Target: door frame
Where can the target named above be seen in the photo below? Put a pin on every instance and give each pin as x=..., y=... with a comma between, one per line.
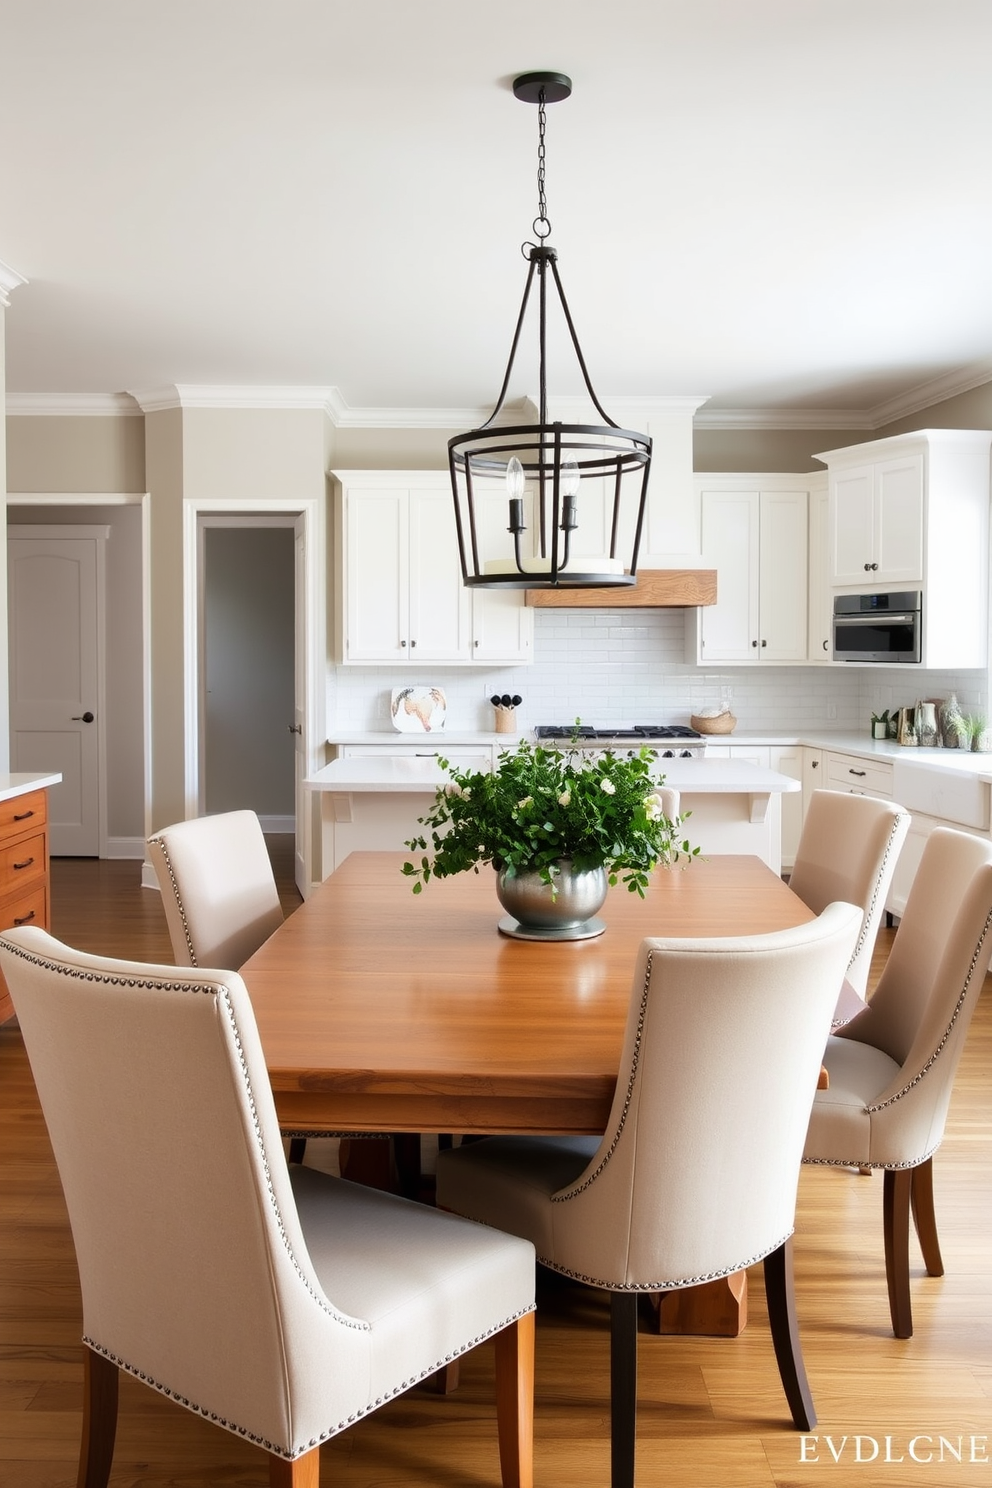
x=140, y=499
x=310, y=511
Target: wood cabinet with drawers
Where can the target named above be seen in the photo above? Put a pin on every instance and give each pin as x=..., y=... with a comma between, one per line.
x=24, y=877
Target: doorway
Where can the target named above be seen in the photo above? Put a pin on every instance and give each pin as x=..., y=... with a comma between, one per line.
x=248, y=669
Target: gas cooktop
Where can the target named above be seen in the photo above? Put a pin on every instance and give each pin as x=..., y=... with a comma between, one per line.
x=637, y=732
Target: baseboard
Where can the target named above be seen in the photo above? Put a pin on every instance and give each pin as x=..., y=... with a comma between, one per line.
x=278, y=824
x=125, y=847
x=149, y=879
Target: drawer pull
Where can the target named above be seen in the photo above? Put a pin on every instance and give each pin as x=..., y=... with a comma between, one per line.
x=860, y=773
x=24, y=816
x=24, y=919
x=26, y=864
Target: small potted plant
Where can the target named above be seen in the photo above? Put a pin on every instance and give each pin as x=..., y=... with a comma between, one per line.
x=558, y=826
x=975, y=733
x=880, y=725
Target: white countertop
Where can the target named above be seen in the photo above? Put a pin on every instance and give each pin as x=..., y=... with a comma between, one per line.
x=21, y=784
x=413, y=774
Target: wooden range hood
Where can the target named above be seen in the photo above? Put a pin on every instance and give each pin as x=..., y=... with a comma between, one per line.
x=655, y=588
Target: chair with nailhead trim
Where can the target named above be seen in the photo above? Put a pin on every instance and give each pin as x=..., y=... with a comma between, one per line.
x=848, y=849
x=695, y=1177
x=277, y=1301
x=891, y=1069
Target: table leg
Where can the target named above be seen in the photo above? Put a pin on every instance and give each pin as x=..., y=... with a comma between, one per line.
x=717, y=1309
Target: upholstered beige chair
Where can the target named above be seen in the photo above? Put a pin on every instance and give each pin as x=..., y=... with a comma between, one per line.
x=218, y=889
x=670, y=800
x=848, y=850
x=695, y=1177
x=280, y=1303
x=892, y=1067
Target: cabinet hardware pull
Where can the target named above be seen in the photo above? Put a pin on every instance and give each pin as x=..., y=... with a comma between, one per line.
x=295, y=728
x=412, y=644
x=24, y=919
x=874, y=567
x=402, y=643
x=23, y=816
x=826, y=645
x=754, y=643
x=764, y=643
x=814, y=764
x=860, y=773
x=26, y=864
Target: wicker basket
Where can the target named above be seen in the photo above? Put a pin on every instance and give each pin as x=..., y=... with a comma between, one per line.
x=724, y=723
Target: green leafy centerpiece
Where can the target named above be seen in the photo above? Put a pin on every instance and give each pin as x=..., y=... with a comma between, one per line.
x=559, y=826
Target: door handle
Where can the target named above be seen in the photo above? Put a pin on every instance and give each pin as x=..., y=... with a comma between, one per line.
x=86, y=717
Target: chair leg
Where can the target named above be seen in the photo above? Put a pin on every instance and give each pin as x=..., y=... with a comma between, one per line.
x=896, y=1197
x=297, y=1149
x=924, y=1218
x=515, y=1402
x=623, y=1387
x=96, y=1450
x=781, y=1297
x=302, y=1472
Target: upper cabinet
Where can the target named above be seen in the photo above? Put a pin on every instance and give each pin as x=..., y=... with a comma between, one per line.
x=755, y=534
x=912, y=512
x=399, y=596
x=876, y=523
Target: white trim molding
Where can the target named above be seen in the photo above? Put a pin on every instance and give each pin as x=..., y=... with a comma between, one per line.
x=72, y=405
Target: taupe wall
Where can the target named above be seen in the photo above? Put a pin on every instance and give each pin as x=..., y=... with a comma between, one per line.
x=75, y=454
x=787, y=450
x=972, y=410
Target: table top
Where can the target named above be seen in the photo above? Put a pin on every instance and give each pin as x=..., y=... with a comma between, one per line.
x=380, y=1010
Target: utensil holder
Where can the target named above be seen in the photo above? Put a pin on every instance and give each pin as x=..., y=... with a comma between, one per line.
x=506, y=720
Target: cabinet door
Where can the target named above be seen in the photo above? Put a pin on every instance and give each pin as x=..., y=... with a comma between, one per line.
x=729, y=629
x=440, y=605
x=376, y=575
x=852, y=525
x=502, y=625
x=782, y=564
x=898, y=545
x=788, y=760
x=819, y=645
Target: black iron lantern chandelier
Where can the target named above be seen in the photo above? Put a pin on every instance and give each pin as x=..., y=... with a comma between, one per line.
x=548, y=505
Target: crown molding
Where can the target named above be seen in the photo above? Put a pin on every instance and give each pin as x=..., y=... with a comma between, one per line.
x=209, y=395
x=343, y=416
x=70, y=405
x=10, y=280
x=783, y=418
x=926, y=394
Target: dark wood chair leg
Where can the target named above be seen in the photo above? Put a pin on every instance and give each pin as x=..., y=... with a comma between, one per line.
x=96, y=1450
x=406, y=1153
x=896, y=1196
x=781, y=1297
x=924, y=1218
x=623, y=1388
x=297, y=1149
x=515, y=1402
x=302, y=1472
x=444, y=1381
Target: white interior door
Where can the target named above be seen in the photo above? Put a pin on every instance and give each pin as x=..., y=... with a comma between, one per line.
x=54, y=614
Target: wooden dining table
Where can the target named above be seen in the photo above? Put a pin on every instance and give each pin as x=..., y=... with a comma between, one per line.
x=384, y=1010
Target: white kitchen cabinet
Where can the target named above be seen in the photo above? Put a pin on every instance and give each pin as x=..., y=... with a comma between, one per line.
x=755, y=535
x=788, y=760
x=860, y=777
x=912, y=512
x=400, y=599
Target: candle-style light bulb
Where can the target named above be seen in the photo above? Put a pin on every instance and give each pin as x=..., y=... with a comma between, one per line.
x=515, y=479
x=569, y=479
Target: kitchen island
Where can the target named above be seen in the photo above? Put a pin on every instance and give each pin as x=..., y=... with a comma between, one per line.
x=374, y=802
x=24, y=885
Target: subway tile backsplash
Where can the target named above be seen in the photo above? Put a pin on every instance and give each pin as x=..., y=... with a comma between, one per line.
x=622, y=666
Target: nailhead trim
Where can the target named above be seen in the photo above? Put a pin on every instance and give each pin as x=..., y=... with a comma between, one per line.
x=160, y=843
x=866, y=921
x=315, y=1441
x=662, y=1286
x=564, y=1195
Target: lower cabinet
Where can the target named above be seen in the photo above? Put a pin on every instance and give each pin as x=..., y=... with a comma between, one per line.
x=24, y=882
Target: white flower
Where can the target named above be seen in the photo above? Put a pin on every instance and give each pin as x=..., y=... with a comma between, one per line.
x=527, y=801
x=653, y=808
x=454, y=789
x=608, y=786
x=565, y=798
x=466, y=792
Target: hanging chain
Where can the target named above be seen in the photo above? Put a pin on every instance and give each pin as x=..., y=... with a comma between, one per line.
x=541, y=225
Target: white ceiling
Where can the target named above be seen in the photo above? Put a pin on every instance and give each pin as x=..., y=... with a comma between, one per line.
x=783, y=204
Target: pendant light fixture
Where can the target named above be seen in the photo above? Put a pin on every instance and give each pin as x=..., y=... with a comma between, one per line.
x=548, y=505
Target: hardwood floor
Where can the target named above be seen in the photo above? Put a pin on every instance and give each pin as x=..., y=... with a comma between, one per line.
x=711, y=1411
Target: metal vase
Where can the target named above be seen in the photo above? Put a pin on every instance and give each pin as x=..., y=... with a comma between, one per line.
x=535, y=911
